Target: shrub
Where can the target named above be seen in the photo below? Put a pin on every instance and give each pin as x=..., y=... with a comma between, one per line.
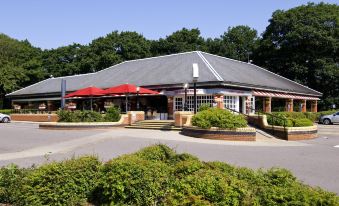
x=215, y=117
x=155, y=175
x=11, y=183
x=302, y=122
x=6, y=111
x=90, y=116
x=203, y=107
x=79, y=116
x=130, y=180
x=112, y=114
x=298, y=121
x=65, y=183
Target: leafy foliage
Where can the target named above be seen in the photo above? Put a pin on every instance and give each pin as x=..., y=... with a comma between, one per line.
x=112, y=114
x=66, y=183
x=215, y=117
x=156, y=175
x=79, y=116
x=291, y=119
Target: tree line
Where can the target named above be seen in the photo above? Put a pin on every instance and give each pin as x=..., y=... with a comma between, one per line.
x=300, y=43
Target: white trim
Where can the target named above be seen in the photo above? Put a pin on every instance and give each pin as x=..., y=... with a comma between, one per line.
x=146, y=59
x=210, y=67
x=262, y=69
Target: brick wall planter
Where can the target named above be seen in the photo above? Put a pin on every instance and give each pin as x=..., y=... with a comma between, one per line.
x=35, y=117
x=287, y=133
x=240, y=134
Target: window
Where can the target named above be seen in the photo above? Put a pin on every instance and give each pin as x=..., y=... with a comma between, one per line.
x=178, y=103
x=231, y=102
x=201, y=99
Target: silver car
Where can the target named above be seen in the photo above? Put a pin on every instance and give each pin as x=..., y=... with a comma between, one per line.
x=329, y=119
x=5, y=118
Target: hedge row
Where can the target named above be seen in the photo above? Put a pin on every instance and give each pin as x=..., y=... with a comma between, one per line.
x=155, y=175
x=301, y=115
x=5, y=111
x=112, y=115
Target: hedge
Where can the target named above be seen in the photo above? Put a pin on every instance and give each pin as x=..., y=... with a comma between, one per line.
x=291, y=119
x=155, y=175
x=215, y=117
x=5, y=111
x=112, y=115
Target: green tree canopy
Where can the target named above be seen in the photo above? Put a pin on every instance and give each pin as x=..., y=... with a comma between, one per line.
x=302, y=44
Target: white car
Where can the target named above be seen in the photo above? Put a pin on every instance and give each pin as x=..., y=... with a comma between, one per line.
x=329, y=119
x=5, y=118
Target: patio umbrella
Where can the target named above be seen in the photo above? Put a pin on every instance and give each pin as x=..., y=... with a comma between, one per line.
x=128, y=89
x=87, y=92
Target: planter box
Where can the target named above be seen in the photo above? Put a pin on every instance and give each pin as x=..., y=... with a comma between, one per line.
x=287, y=133
x=35, y=117
x=239, y=134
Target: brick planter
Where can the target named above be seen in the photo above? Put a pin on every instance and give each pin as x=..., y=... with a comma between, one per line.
x=240, y=134
x=287, y=133
x=35, y=117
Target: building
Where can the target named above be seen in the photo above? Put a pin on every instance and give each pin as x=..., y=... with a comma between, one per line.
x=233, y=84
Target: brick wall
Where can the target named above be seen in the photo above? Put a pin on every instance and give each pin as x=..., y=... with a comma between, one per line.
x=35, y=117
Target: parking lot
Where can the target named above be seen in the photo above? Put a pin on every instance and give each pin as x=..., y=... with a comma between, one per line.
x=313, y=161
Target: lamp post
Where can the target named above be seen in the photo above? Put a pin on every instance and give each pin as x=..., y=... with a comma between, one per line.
x=195, y=79
x=138, y=89
x=185, y=100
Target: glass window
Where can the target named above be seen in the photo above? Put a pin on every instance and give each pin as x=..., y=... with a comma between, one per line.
x=201, y=99
x=231, y=102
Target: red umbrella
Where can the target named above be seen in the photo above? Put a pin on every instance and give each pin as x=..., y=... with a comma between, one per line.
x=129, y=89
x=87, y=92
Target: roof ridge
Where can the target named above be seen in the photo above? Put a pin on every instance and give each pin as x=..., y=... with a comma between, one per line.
x=147, y=58
x=210, y=67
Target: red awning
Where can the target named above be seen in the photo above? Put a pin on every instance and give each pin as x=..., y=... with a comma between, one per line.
x=282, y=95
x=128, y=89
x=86, y=92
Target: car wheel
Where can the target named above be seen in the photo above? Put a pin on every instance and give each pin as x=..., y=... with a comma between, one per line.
x=327, y=121
x=5, y=120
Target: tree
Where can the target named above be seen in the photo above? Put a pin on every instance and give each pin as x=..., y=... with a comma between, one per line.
x=238, y=43
x=183, y=40
x=302, y=44
x=20, y=64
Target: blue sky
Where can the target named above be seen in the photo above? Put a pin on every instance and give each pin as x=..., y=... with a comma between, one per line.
x=50, y=24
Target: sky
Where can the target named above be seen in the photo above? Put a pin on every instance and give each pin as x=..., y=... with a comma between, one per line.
x=54, y=23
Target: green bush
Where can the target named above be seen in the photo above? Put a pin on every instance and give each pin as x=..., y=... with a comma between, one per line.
x=302, y=122
x=79, y=116
x=112, y=114
x=215, y=117
x=155, y=175
x=203, y=107
x=5, y=111
x=291, y=119
x=11, y=183
x=130, y=180
x=91, y=116
x=65, y=183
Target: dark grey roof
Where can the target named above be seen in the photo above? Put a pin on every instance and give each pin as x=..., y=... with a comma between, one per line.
x=171, y=70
